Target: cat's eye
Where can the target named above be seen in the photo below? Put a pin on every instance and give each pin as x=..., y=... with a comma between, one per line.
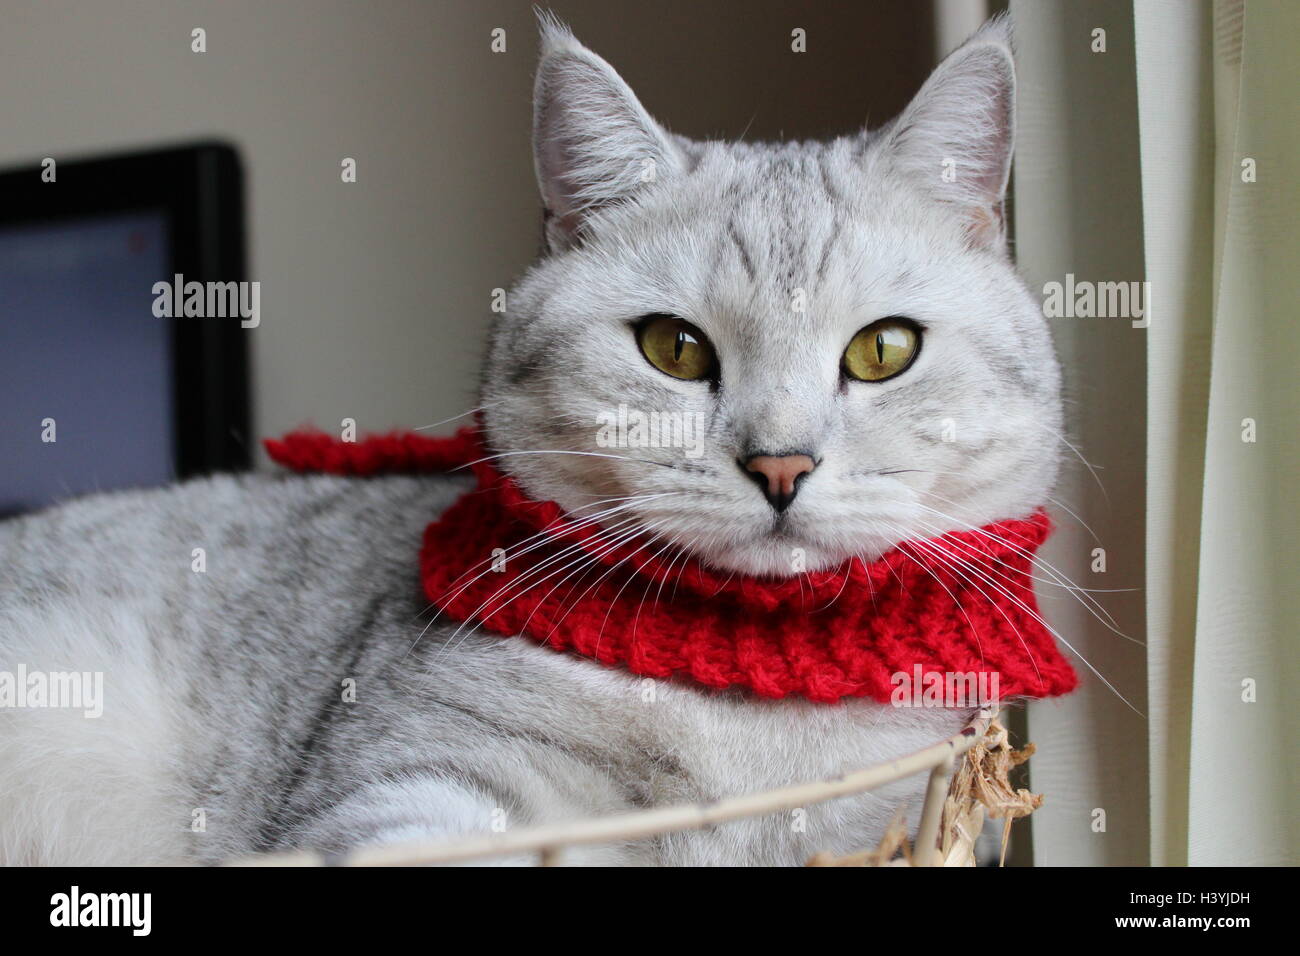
x=676, y=347
x=882, y=350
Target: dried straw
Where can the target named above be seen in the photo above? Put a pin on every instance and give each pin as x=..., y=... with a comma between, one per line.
x=981, y=787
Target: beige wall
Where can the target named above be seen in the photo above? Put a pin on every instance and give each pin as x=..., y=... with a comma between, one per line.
x=375, y=295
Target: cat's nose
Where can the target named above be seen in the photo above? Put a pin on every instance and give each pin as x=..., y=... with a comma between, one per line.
x=778, y=476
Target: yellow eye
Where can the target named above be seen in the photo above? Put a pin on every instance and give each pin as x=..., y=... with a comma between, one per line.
x=882, y=350
x=676, y=347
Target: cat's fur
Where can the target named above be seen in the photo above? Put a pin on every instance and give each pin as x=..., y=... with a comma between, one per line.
x=224, y=689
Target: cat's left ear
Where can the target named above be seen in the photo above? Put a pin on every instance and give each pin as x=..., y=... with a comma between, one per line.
x=593, y=142
x=956, y=137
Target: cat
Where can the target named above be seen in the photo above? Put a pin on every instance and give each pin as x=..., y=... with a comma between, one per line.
x=223, y=731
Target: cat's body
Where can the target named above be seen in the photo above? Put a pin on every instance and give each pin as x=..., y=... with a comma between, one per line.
x=224, y=690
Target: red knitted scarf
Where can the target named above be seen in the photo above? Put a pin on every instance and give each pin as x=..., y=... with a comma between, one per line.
x=962, y=604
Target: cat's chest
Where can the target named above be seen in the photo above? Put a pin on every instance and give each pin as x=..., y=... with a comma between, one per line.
x=732, y=745
x=746, y=743
x=614, y=742
x=677, y=741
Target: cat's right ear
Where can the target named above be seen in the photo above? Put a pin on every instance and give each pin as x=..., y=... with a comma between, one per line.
x=593, y=142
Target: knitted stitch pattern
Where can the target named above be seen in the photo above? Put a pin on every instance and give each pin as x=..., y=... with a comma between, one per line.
x=962, y=603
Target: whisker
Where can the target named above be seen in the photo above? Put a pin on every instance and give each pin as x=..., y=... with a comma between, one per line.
x=583, y=557
x=453, y=418
x=608, y=571
x=561, y=451
x=545, y=535
x=541, y=537
x=636, y=619
x=1092, y=469
x=1081, y=594
x=638, y=530
x=1056, y=634
x=576, y=546
x=613, y=603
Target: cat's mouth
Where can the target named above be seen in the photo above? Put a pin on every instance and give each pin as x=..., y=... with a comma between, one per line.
x=790, y=543
x=782, y=528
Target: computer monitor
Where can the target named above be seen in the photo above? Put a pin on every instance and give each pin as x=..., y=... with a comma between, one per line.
x=97, y=391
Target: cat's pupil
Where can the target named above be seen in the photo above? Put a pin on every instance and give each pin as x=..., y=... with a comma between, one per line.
x=678, y=345
x=880, y=348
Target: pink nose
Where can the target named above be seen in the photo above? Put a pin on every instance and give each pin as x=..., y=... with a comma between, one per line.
x=778, y=476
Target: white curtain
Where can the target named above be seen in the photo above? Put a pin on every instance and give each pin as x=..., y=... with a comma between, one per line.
x=1220, y=132
x=1173, y=156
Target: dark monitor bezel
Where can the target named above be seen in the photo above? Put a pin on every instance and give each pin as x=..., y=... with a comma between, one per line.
x=200, y=188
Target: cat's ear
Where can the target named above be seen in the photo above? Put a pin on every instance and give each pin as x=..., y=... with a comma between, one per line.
x=593, y=142
x=956, y=137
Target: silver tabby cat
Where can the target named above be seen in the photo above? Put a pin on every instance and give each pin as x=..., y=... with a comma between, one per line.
x=222, y=694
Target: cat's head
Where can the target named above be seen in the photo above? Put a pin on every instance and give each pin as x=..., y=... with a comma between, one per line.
x=839, y=320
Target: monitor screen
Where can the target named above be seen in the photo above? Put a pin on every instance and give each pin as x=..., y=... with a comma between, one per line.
x=86, y=369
